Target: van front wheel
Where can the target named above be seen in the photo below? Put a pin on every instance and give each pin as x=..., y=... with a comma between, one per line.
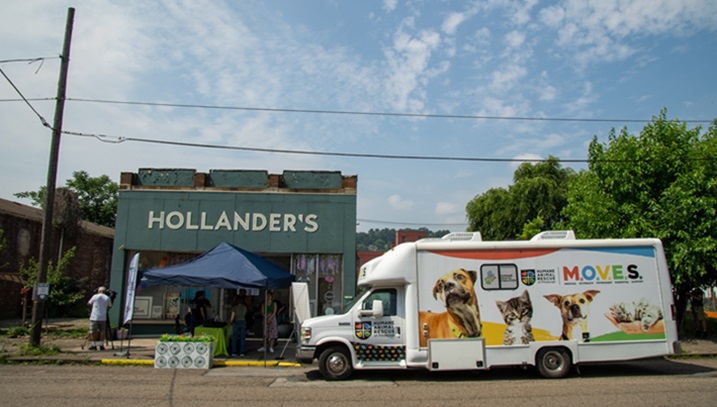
x=553, y=363
x=335, y=363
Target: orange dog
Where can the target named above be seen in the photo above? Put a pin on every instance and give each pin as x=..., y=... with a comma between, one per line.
x=573, y=309
x=462, y=316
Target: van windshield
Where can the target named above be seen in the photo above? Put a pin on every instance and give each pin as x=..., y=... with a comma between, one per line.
x=359, y=295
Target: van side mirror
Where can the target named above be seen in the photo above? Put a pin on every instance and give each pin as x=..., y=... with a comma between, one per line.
x=376, y=310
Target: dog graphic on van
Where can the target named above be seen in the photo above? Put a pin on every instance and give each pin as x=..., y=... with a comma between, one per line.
x=574, y=310
x=462, y=316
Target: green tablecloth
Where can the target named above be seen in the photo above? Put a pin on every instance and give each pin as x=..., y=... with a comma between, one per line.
x=221, y=338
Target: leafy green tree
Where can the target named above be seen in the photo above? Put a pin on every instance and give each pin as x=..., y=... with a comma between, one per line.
x=533, y=202
x=662, y=183
x=97, y=197
x=65, y=298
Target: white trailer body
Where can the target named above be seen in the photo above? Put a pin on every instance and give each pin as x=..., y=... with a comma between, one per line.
x=551, y=302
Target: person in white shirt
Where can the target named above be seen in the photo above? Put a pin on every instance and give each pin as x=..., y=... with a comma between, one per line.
x=100, y=303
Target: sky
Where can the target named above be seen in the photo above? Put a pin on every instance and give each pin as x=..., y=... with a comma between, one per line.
x=428, y=103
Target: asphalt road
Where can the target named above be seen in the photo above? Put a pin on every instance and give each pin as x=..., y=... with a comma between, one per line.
x=658, y=382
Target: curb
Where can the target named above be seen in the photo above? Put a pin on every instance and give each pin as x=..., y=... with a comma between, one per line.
x=148, y=362
x=217, y=363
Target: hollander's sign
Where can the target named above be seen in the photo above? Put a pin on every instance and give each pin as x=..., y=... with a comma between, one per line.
x=264, y=222
x=234, y=221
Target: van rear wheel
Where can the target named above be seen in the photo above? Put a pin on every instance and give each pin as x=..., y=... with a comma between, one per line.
x=335, y=363
x=553, y=363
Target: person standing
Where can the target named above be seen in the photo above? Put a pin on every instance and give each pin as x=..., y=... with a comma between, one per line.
x=100, y=303
x=268, y=312
x=198, y=309
x=237, y=317
x=698, y=312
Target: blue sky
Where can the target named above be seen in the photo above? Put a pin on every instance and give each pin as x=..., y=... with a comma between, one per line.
x=577, y=59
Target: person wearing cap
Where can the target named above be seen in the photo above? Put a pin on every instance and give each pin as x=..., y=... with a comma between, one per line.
x=100, y=303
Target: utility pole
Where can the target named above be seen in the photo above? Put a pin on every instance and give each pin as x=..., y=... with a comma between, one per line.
x=38, y=305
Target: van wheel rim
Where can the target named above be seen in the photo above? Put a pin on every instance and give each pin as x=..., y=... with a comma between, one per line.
x=337, y=363
x=553, y=361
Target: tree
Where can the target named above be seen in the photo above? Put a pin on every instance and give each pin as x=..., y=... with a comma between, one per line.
x=65, y=298
x=533, y=202
x=97, y=197
x=663, y=184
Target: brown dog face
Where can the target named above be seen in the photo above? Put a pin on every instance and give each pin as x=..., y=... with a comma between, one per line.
x=456, y=287
x=573, y=307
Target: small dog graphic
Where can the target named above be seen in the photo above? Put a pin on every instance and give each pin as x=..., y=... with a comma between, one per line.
x=462, y=316
x=574, y=310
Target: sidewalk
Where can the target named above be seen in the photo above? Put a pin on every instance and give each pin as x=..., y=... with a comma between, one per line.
x=140, y=351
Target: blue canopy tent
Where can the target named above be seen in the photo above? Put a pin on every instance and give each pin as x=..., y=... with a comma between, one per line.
x=224, y=266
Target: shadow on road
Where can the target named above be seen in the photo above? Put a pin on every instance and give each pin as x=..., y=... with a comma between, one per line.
x=647, y=367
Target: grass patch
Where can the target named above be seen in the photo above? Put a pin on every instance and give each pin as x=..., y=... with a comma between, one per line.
x=29, y=350
x=17, y=331
x=77, y=333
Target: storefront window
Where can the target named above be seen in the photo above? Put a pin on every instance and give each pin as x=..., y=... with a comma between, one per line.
x=322, y=273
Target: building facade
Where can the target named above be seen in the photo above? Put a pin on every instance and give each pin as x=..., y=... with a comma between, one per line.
x=21, y=227
x=302, y=221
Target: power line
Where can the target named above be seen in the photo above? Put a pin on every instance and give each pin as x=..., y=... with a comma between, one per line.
x=42, y=119
x=28, y=60
x=117, y=140
x=357, y=113
x=411, y=223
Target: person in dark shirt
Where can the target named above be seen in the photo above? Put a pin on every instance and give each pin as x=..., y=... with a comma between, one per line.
x=698, y=312
x=198, y=310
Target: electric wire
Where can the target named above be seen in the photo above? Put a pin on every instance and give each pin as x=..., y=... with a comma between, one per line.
x=410, y=223
x=365, y=113
x=42, y=119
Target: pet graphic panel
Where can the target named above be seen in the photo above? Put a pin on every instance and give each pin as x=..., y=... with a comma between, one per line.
x=585, y=294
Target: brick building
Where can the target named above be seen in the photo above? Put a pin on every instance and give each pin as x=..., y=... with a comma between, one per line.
x=22, y=232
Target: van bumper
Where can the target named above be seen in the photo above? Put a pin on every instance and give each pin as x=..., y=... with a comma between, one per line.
x=305, y=353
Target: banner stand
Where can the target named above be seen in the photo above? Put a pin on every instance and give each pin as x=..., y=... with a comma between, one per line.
x=129, y=301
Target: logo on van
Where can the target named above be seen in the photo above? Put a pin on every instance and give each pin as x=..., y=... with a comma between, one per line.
x=608, y=272
x=527, y=277
x=363, y=330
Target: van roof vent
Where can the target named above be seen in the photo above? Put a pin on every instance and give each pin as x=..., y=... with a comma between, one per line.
x=554, y=235
x=463, y=236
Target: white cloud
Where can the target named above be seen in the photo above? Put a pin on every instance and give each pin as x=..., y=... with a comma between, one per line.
x=389, y=5
x=397, y=202
x=496, y=107
x=409, y=67
x=507, y=77
x=515, y=39
x=446, y=208
x=600, y=30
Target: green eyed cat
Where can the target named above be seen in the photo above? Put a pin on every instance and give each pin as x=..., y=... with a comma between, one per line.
x=517, y=313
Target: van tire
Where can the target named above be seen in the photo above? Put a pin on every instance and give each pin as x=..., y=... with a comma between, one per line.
x=335, y=363
x=553, y=363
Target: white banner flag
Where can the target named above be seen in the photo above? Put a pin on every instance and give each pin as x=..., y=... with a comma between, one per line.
x=131, y=287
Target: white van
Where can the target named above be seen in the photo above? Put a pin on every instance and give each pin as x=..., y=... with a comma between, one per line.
x=460, y=303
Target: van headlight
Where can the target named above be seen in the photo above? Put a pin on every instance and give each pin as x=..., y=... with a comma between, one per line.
x=305, y=335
